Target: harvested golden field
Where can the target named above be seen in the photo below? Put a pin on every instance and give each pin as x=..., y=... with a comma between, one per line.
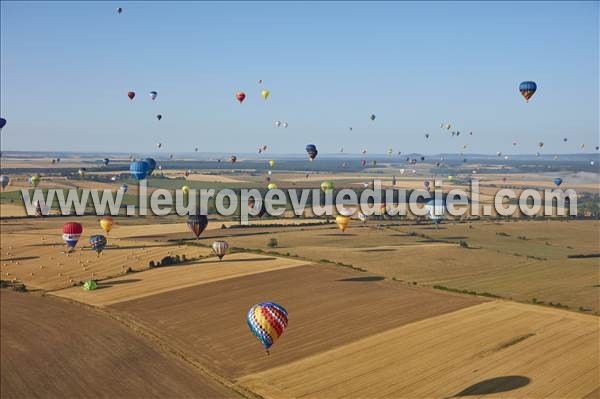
x=328, y=307
x=39, y=261
x=165, y=279
x=518, y=260
x=495, y=349
x=56, y=349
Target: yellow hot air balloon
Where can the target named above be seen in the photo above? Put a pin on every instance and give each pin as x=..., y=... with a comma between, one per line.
x=450, y=178
x=107, y=223
x=272, y=186
x=271, y=163
x=327, y=185
x=35, y=180
x=185, y=189
x=342, y=222
x=265, y=94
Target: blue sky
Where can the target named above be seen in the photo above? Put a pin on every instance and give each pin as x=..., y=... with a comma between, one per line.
x=66, y=68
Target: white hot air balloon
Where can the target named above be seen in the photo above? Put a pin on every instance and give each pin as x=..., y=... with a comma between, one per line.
x=220, y=248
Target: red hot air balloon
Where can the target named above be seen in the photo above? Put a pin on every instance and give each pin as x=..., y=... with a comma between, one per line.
x=131, y=94
x=240, y=96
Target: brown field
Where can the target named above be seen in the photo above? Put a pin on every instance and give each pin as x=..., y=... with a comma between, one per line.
x=165, y=279
x=534, y=352
x=328, y=307
x=55, y=349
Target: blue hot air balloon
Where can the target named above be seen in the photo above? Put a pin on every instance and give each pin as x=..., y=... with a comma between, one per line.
x=151, y=164
x=311, y=150
x=2, y=122
x=527, y=89
x=98, y=242
x=558, y=181
x=139, y=169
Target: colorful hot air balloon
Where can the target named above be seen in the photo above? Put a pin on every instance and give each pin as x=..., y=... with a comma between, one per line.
x=197, y=224
x=97, y=242
x=4, y=180
x=240, y=96
x=139, y=169
x=71, y=233
x=267, y=321
x=153, y=95
x=271, y=186
x=362, y=217
x=233, y=158
x=130, y=94
x=527, y=89
x=271, y=163
x=558, y=181
x=220, y=248
x=35, y=180
x=90, y=285
x=311, y=150
x=2, y=122
x=106, y=161
x=327, y=185
x=265, y=94
x=107, y=223
x=342, y=222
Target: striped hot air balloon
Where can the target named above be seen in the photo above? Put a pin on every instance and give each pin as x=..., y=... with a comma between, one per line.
x=220, y=248
x=71, y=233
x=267, y=321
x=98, y=242
x=139, y=169
x=197, y=224
x=527, y=89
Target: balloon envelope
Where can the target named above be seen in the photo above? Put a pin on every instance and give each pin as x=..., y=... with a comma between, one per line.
x=98, y=242
x=197, y=224
x=240, y=96
x=2, y=122
x=107, y=223
x=131, y=94
x=139, y=169
x=220, y=248
x=527, y=89
x=267, y=321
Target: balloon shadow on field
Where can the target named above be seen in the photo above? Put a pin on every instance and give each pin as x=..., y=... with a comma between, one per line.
x=337, y=235
x=495, y=385
x=363, y=279
x=108, y=284
x=21, y=258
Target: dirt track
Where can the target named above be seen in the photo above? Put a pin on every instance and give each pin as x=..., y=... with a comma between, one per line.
x=55, y=349
x=328, y=307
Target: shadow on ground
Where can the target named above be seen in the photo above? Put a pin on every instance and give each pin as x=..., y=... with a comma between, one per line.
x=363, y=279
x=495, y=385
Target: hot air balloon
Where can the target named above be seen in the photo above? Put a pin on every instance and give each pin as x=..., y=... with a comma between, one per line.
x=151, y=165
x=187, y=172
x=285, y=125
x=271, y=186
x=435, y=210
x=107, y=223
x=106, y=161
x=71, y=233
x=258, y=206
x=362, y=217
x=4, y=180
x=514, y=142
x=390, y=151
x=2, y=122
x=90, y=285
x=402, y=171
x=97, y=242
x=232, y=159
x=541, y=144
x=139, y=169
x=565, y=140
x=426, y=184
x=426, y=135
x=130, y=94
x=267, y=321
x=527, y=89
x=363, y=162
x=374, y=163
x=195, y=149
x=185, y=189
x=197, y=224
x=240, y=96
x=372, y=117
x=558, y=181
x=277, y=123
x=450, y=178
x=271, y=163
x=35, y=180
x=498, y=154
x=124, y=188
x=159, y=116
x=342, y=222
x=448, y=126
x=220, y=248
x=153, y=95
x=119, y=10
x=327, y=185
x=311, y=150
x=158, y=145
x=82, y=172
x=265, y=94
x=41, y=208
